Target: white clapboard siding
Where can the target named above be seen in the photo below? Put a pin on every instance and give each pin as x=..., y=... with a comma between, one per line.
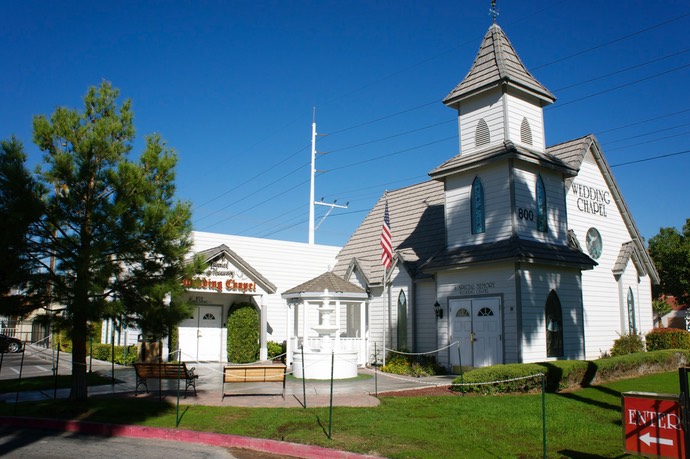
x=495, y=182
x=525, y=182
x=517, y=109
x=603, y=297
x=489, y=108
x=536, y=284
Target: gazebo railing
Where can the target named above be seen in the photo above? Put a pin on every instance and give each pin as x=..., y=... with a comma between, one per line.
x=342, y=344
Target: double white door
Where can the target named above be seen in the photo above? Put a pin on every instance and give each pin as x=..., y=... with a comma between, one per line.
x=476, y=325
x=200, y=336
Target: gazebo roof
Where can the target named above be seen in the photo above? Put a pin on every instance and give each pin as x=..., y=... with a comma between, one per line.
x=328, y=281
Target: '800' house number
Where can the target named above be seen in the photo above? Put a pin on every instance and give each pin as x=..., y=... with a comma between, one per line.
x=525, y=214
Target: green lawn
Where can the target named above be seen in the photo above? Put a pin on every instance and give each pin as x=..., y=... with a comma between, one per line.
x=48, y=382
x=583, y=424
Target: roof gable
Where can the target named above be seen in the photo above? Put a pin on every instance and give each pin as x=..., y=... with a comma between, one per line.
x=223, y=252
x=573, y=153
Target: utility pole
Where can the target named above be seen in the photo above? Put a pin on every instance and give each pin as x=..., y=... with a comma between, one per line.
x=312, y=172
x=312, y=201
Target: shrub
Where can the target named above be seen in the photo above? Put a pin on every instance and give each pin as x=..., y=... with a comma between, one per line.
x=565, y=374
x=243, y=334
x=500, y=379
x=667, y=338
x=627, y=344
x=124, y=355
x=411, y=365
x=276, y=349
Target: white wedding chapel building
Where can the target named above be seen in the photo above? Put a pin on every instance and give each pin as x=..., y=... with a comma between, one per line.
x=516, y=251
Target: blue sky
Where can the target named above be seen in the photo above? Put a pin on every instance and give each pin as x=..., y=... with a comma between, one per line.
x=231, y=86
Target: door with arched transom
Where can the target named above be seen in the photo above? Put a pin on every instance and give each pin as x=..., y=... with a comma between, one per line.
x=200, y=335
x=476, y=326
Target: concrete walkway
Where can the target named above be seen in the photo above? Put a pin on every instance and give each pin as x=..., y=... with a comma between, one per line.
x=360, y=391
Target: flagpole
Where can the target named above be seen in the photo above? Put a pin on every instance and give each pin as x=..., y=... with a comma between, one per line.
x=387, y=262
x=385, y=309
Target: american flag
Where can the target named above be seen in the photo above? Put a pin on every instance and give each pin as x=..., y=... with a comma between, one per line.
x=386, y=245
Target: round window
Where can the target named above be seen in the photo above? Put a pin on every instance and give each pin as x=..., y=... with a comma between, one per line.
x=594, y=243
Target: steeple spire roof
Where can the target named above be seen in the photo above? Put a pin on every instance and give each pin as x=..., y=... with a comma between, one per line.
x=497, y=64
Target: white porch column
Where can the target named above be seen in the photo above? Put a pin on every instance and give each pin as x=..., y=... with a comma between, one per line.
x=288, y=335
x=305, y=306
x=336, y=345
x=263, y=350
x=363, y=336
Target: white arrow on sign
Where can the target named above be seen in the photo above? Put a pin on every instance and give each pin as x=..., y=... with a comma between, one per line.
x=648, y=440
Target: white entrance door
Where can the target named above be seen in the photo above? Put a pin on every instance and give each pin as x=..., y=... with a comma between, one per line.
x=476, y=325
x=200, y=336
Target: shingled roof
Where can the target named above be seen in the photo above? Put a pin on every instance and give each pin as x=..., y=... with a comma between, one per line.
x=497, y=64
x=326, y=281
x=506, y=150
x=417, y=230
x=512, y=249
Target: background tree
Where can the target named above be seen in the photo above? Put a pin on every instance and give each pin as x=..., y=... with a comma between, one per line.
x=670, y=250
x=659, y=308
x=118, y=236
x=20, y=208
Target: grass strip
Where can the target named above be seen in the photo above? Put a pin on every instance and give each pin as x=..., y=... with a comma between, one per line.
x=582, y=423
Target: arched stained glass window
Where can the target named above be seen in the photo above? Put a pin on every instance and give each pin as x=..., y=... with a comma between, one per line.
x=208, y=316
x=477, y=206
x=462, y=312
x=402, y=320
x=554, y=326
x=632, y=325
x=542, y=223
x=485, y=312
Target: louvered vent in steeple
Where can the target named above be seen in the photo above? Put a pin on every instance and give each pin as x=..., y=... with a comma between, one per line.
x=481, y=135
x=525, y=132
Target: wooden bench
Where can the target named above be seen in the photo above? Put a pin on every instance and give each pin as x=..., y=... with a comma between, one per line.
x=268, y=373
x=163, y=371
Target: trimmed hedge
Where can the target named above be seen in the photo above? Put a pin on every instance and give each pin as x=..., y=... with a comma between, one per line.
x=567, y=374
x=243, y=334
x=104, y=352
x=667, y=338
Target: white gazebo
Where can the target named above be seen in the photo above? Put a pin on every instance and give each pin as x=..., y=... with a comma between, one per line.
x=327, y=322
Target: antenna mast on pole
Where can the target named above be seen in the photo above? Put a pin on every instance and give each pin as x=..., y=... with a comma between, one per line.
x=312, y=201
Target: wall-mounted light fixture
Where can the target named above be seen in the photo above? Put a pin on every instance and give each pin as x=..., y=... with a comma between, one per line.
x=438, y=310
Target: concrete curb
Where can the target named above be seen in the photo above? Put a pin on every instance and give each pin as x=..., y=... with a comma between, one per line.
x=187, y=436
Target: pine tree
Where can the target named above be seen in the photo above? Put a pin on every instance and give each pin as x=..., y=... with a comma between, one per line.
x=113, y=225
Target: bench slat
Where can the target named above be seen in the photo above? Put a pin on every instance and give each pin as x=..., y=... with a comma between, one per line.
x=254, y=374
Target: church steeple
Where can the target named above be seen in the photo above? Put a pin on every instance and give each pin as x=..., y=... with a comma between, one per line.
x=497, y=65
x=499, y=100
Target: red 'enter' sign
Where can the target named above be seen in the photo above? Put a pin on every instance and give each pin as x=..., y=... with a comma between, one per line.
x=651, y=423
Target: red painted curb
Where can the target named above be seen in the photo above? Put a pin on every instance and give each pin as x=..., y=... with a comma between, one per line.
x=187, y=436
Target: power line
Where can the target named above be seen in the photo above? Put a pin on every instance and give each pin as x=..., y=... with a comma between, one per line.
x=652, y=158
x=615, y=88
x=616, y=40
x=620, y=71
